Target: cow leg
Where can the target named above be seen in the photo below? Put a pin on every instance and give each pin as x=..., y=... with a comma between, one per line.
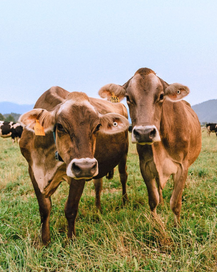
x=153, y=194
x=44, y=209
x=122, y=168
x=98, y=190
x=176, y=198
x=71, y=206
x=160, y=192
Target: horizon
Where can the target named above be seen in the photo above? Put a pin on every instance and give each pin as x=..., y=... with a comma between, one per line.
x=204, y=110
x=123, y=101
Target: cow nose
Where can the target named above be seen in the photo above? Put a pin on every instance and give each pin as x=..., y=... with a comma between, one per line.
x=84, y=168
x=145, y=134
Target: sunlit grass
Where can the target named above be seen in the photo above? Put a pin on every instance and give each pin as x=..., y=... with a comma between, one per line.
x=121, y=238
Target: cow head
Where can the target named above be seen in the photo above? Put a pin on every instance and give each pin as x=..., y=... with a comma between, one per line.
x=76, y=124
x=145, y=93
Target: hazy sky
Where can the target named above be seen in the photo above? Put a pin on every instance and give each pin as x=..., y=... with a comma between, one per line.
x=83, y=45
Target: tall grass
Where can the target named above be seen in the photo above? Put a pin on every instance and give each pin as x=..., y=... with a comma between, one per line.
x=121, y=238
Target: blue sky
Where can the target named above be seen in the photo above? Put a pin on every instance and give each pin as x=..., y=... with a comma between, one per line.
x=83, y=45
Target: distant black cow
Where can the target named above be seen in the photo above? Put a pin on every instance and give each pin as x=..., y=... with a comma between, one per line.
x=211, y=127
x=10, y=129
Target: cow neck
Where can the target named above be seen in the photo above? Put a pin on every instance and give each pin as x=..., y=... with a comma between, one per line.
x=57, y=155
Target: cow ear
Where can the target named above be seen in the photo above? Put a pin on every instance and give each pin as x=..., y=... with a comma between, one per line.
x=112, y=123
x=45, y=120
x=112, y=90
x=175, y=92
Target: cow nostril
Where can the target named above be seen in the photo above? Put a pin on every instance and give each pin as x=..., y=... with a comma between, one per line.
x=93, y=169
x=76, y=169
x=152, y=133
x=136, y=133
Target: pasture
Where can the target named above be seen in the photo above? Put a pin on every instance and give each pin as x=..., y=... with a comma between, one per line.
x=122, y=238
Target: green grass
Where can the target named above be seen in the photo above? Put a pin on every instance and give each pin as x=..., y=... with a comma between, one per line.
x=121, y=238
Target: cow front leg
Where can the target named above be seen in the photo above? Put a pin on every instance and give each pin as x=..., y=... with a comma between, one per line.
x=44, y=209
x=122, y=168
x=160, y=191
x=71, y=206
x=176, y=198
x=153, y=194
x=98, y=190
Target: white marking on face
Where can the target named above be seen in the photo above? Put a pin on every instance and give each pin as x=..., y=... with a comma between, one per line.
x=65, y=106
x=69, y=172
x=154, y=81
x=133, y=82
x=69, y=103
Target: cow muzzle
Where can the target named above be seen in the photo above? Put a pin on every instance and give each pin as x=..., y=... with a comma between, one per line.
x=145, y=135
x=82, y=168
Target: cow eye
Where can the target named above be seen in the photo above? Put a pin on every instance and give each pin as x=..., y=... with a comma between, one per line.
x=97, y=128
x=161, y=97
x=60, y=127
x=128, y=99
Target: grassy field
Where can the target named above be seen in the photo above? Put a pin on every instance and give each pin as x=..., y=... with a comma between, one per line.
x=121, y=238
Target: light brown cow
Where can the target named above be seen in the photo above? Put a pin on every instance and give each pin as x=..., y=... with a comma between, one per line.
x=166, y=130
x=90, y=140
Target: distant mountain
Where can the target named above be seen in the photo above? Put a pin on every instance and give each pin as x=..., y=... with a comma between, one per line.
x=8, y=107
x=206, y=111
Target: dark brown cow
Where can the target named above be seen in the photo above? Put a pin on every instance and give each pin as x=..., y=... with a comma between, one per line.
x=211, y=127
x=167, y=132
x=90, y=140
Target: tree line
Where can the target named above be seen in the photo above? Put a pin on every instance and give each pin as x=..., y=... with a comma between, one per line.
x=12, y=117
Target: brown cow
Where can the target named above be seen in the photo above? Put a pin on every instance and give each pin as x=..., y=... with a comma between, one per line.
x=167, y=132
x=90, y=140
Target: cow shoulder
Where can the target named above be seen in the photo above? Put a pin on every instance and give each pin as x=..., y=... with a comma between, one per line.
x=180, y=128
x=175, y=123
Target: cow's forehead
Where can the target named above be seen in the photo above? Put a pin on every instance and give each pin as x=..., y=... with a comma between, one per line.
x=150, y=81
x=155, y=81
x=68, y=104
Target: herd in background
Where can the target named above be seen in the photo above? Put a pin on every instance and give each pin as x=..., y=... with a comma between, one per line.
x=11, y=129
